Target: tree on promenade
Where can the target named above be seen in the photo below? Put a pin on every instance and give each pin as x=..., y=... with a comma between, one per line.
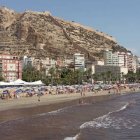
x=1, y=78
x=52, y=74
x=30, y=74
x=109, y=76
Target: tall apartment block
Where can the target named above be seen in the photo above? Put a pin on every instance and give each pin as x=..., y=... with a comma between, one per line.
x=79, y=61
x=10, y=67
x=121, y=59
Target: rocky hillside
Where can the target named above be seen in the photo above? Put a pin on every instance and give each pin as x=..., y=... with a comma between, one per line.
x=40, y=34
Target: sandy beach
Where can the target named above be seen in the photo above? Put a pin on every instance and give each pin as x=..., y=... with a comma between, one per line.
x=27, y=102
x=24, y=107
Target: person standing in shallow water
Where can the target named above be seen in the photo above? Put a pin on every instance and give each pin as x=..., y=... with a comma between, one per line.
x=81, y=101
x=38, y=98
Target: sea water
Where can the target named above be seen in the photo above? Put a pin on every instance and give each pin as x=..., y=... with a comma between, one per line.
x=113, y=119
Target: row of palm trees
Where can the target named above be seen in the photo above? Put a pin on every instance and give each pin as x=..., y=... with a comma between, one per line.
x=68, y=76
x=109, y=77
x=56, y=76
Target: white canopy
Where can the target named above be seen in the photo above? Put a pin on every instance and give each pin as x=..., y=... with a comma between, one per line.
x=18, y=82
x=4, y=83
x=35, y=83
x=21, y=82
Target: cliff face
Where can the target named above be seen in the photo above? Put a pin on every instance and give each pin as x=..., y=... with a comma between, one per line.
x=40, y=34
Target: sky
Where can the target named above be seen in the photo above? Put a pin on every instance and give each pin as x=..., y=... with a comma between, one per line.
x=118, y=18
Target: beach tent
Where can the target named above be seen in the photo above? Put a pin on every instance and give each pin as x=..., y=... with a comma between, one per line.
x=20, y=82
x=36, y=83
x=4, y=83
x=17, y=82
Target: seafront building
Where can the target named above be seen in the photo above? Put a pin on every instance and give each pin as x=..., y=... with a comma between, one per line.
x=118, y=62
x=98, y=69
x=121, y=59
x=79, y=61
x=131, y=62
x=27, y=61
x=138, y=62
x=115, y=70
x=110, y=58
x=10, y=67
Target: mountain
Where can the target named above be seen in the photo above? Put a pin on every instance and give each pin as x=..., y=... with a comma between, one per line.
x=40, y=34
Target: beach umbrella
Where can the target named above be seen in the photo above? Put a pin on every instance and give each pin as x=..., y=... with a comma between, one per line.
x=18, y=91
x=5, y=92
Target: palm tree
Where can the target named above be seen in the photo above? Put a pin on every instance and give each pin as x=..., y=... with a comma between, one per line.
x=103, y=77
x=52, y=73
x=1, y=77
x=138, y=76
x=80, y=76
x=109, y=75
x=122, y=77
x=95, y=77
x=87, y=75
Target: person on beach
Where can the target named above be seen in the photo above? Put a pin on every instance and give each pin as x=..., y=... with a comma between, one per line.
x=39, y=94
x=81, y=91
x=84, y=91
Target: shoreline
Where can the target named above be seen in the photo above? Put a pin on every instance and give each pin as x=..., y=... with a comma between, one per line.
x=30, y=110
x=28, y=107
x=43, y=122
x=30, y=102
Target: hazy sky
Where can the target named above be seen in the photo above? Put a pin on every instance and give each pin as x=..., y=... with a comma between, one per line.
x=118, y=18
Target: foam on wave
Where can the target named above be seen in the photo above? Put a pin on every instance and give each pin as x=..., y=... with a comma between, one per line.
x=108, y=120
x=72, y=138
x=55, y=112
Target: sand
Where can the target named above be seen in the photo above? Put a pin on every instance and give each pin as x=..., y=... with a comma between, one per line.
x=27, y=102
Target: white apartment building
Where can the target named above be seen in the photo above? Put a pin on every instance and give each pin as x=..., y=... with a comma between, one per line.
x=27, y=61
x=110, y=58
x=68, y=62
x=79, y=61
x=138, y=62
x=98, y=62
x=122, y=59
x=134, y=64
x=115, y=59
x=131, y=62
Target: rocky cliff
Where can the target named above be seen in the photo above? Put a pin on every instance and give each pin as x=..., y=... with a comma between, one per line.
x=40, y=34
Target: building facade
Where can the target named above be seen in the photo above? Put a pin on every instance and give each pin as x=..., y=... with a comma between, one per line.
x=79, y=61
x=98, y=69
x=10, y=67
x=122, y=59
x=131, y=62
x=27, y=61
x=110, y=58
